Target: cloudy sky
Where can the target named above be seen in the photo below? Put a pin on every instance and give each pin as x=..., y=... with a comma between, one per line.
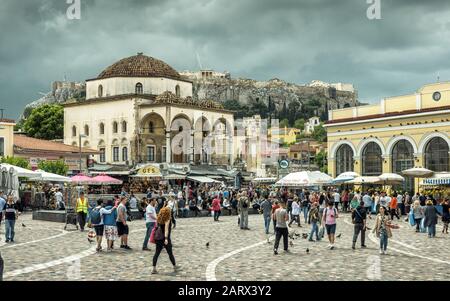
x=294, y=40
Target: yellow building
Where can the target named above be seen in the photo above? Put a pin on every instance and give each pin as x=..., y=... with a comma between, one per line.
x=396, y=134
x=6, y=137
x=284, y=135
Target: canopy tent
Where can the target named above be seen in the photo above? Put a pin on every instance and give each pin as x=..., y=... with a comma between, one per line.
x=305, y=178
x=345, y=177
x=202, y=179
x=174, y=177
x=106, y=180
x=437, y=179
x=365, y=180
x=264, y=180
x=51, y=177
x=21, y=172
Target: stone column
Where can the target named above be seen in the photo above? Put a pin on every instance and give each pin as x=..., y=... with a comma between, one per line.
x=168, y=147
x=192, y=147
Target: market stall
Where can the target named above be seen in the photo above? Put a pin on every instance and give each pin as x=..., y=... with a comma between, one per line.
x=310, y=179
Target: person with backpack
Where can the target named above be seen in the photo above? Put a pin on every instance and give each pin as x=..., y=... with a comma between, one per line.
x=359, y=217
x=330, y=214
x=243, y=206
x=96, y=219
x=109, y=216
x=314, y=220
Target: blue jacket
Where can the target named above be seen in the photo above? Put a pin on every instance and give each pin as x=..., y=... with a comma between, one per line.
x=110, y=219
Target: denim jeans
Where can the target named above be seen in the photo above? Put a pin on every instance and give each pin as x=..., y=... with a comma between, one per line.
x=149, y=226
x=305, y=213
x=383, y=241
x=432, y=230
x=314, y=229
x=267, y=223
x=9, y=228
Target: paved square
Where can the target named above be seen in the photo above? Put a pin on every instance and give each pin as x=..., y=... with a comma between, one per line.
x=44, y=251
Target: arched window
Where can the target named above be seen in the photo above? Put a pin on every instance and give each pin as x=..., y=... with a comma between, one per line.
x=115, y=127
x=124, y=126
x=139, y=89
x=74, y=131
x=344, y=159
x=125, y=154
x=402, y=156
x=372, y=162
x=436, y=155
x=151, y=127
x=100, y=91
x=177, y=91
x=86, y=130
x=102, y=128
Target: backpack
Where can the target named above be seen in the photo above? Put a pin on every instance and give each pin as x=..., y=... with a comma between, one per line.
x=95, y=216
x=244, y=204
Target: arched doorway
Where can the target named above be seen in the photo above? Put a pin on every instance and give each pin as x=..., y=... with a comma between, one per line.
x=436, y=155
x=152, y=139
x=344, y=159
x=202, y=130
x=403, y=158
x=221, y=142
x=372, y=161
x=181, y=139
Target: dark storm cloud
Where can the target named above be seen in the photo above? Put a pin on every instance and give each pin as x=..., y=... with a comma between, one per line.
x=294, y=40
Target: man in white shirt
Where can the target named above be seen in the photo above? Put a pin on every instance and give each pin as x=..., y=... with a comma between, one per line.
x=133, y=202
x=150, y=222
x=59, y=200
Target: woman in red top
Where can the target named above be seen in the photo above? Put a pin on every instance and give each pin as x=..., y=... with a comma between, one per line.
x=216, y=208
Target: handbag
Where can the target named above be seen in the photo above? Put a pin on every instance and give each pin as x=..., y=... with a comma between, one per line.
x=152, y=235
x=159, y=234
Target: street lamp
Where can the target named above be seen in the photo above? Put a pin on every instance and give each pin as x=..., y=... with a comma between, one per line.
x=79, y=141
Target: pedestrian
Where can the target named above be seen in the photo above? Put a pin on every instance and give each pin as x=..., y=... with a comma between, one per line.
x=109, y=221
x=345, y=200
x=393, y=206
x=337, y=199
x=418, y=214
x=243, y=206
x=133, y=202
x=82, y=210
x=445, y=215
x=2, y=204
x=59, y=200
x=275, y=206
x=368, y=203
x=431, y=218
x=163, y=238
x=11, y=214
x=407, y=203
x=330, y=215
x=216, y=208
x=122, y=227
x=314, y=221
x=401, y=204
x=266, y=209
x=150, y=222
x=95, y=219
x=295, y=212
x=383, y=229
x=193, y=207
x=173, y=205
x=354, y=203
x=281, y=218
x=359, y=217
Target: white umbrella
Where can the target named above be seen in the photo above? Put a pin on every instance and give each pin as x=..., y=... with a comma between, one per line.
x=305, y=178
x=418, y=172
x=345, y=177
x=391, y=178
x=365, y=180
x=51, y=177
x=21, y=172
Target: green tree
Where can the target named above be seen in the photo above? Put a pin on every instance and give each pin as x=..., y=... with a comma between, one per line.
x=319, y=133
x=45, y=122
x=284, y=123
x=321, y=161
x=56, y=167
x=300, y=124
x=16, y=161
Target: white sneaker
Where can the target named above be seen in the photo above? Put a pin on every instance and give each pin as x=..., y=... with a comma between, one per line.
x=381, y=252
x=385, y=252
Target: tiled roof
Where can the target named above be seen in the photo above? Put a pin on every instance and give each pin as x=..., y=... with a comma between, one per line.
x=7, y=120
x=140, y=66
x=25, y=143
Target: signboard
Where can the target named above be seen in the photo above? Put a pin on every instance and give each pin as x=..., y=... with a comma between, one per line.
x=149, y=171
x=284, y=164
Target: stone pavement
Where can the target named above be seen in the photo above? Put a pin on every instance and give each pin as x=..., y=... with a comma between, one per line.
x=44, y=251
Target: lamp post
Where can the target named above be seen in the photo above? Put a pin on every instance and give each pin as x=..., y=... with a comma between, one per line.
x=79, y=143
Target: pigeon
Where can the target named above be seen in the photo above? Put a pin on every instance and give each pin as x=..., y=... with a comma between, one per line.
x=296, y=234
x=307, y=251
x=207, y=244
x=339, y=236
x=305, y=235
x=23, y=225
x=291, y=243
x=90, y=241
